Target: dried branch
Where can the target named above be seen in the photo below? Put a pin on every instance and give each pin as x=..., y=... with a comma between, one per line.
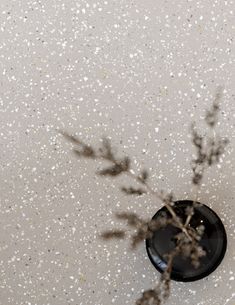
x=122, y=166
x=209, y=149
x=190, y=248
x=161, y=292
x=144, y=229
x=208, y=152
x=211, y=117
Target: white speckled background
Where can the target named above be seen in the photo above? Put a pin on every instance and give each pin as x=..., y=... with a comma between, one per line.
x=137, y=71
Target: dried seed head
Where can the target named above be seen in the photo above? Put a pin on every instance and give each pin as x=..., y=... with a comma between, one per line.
x=149, y=297
x=211, y=117
x=200, y=230
x=189, y=211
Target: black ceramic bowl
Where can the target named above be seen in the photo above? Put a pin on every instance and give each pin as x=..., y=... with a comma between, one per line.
x=214, y=242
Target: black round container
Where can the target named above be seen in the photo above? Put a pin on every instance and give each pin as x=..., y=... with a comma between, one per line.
x=214, y=242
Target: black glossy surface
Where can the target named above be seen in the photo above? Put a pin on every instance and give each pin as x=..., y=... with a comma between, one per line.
x=214, y=242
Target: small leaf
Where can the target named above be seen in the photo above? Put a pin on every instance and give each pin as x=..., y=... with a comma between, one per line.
x=77, y=152
x=113, y=234
x=133, y=219
x=133, y=191
x=197, y=177
x=106, y=150
x=143, y=176
x=125, y=163
x=70, y=138
x=88, y=151
x=111, y=171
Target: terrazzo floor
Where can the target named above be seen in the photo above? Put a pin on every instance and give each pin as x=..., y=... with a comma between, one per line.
x=138, y=72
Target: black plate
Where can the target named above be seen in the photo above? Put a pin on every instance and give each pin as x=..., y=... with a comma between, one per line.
x=214, y=242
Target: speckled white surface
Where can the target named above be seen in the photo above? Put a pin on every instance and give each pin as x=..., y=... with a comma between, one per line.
x=139, y=72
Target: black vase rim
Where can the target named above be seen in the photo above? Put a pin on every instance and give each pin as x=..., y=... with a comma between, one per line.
x=204, y=274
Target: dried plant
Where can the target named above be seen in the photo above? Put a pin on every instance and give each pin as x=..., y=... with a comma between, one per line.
x=209, y=150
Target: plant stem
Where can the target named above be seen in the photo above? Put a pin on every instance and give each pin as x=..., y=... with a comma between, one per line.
x=167, y=204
